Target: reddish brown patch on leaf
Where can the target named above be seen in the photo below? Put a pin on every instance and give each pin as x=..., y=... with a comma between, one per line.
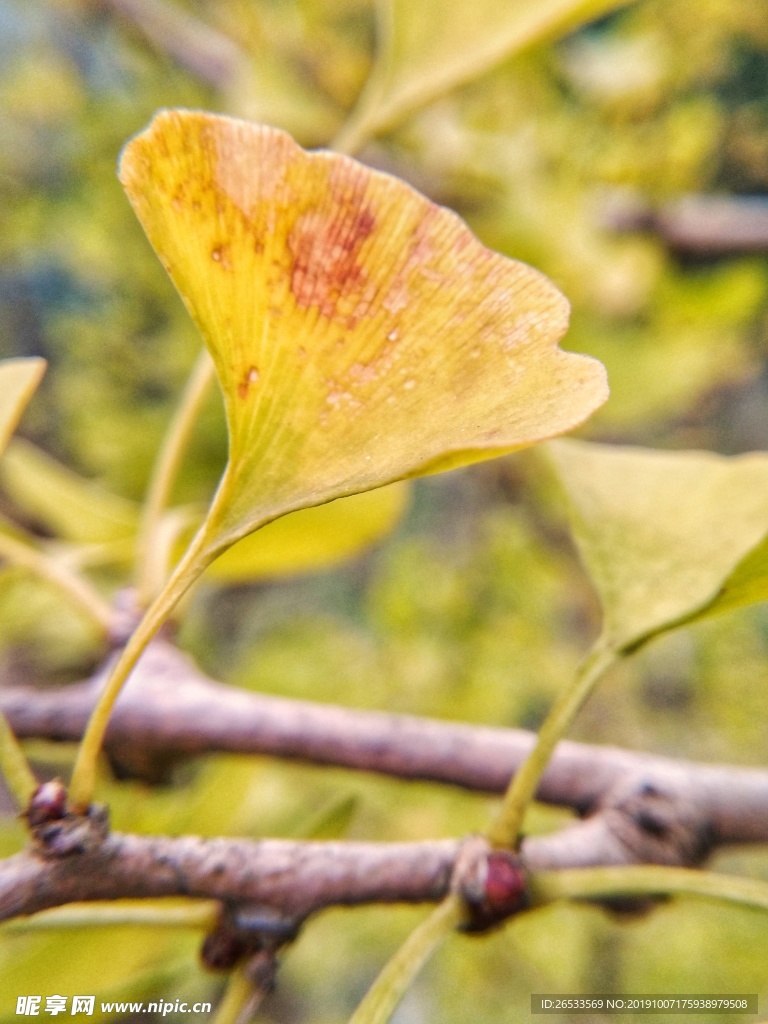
x=249, y=378
x=326, y=247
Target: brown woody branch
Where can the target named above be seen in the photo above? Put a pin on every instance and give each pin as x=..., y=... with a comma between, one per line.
x=169, y=709
x=698, y=225
x=207, y=54
x=290, y=878
x=285, y=881
x=641, y=809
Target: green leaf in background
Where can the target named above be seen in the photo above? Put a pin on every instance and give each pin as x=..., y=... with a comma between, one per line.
x=110, y=963
x=662, y=532
x=429, y=48
x=19, y=379
x=313, y=538
x=360, y=333
x=331, y=821
x=747, y=584
x=71, y=507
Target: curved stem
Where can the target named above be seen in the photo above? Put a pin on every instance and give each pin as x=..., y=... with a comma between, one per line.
x=505, y=827
x=359, y=127
x=68, y=582
x=197, y=914
x=195, y=560
x=646, y=880
x=383, y=997
x=239, y=1002
x=15, y=767
x=164, y=473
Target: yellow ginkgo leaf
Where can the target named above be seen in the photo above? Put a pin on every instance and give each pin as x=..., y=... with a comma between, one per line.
x=361, y=334
x=18, y=382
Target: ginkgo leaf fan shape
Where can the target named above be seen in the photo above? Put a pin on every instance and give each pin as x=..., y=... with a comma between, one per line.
x=361, y=334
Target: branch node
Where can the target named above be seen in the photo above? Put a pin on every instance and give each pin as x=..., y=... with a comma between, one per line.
x=248, y=931
x=56, y=831
x=659, y=825
x=492, y=883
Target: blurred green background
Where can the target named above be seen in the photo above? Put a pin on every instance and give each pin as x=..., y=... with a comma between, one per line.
x=474, y=608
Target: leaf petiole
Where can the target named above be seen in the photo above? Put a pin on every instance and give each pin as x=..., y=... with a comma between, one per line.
x=195, y=561
x=646, y=880
x=382, y=998
x=195, y=914
x=15, y=767
x=240, y=1000
x=164, y=474
x=505, y=827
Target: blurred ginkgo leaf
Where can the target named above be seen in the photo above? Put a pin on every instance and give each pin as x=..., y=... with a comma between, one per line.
x=117, y=963
x=747, y=584
x=313, y=538
x=661, y=532
x=19, y=379
x=71, y=507
x=428, y=48
x=332, y=820
x=360, y=333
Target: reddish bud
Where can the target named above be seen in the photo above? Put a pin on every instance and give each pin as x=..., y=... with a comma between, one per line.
x=504, y=892
x=48, y=803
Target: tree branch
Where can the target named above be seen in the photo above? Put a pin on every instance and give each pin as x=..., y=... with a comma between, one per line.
x=641, y=809
x=698, y=225
x=291, y=878
x=209, y=55
x=169, y=709
x=275, y=881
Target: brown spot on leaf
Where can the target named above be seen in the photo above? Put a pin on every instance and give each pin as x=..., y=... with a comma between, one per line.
x=249, y=378
x=220, y=255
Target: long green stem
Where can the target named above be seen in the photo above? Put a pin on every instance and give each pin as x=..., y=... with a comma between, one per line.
x=196, y=914
x=15, y=767
x=186, y=572
x=237, y=1003
x=390, y=986
x=506, y=825
x=650, y=880
x=68, y=582
x=358, y=127
x=383, y=997
x=164, y=474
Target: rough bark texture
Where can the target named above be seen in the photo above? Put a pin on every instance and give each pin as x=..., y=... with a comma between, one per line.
x=169, y=709
x=637, y=809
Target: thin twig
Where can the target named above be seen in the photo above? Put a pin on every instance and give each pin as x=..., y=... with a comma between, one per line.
x=267, y=882
x=206, y=53
x=697, y=225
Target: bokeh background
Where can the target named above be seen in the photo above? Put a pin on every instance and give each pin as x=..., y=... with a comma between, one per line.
x=573, y=156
